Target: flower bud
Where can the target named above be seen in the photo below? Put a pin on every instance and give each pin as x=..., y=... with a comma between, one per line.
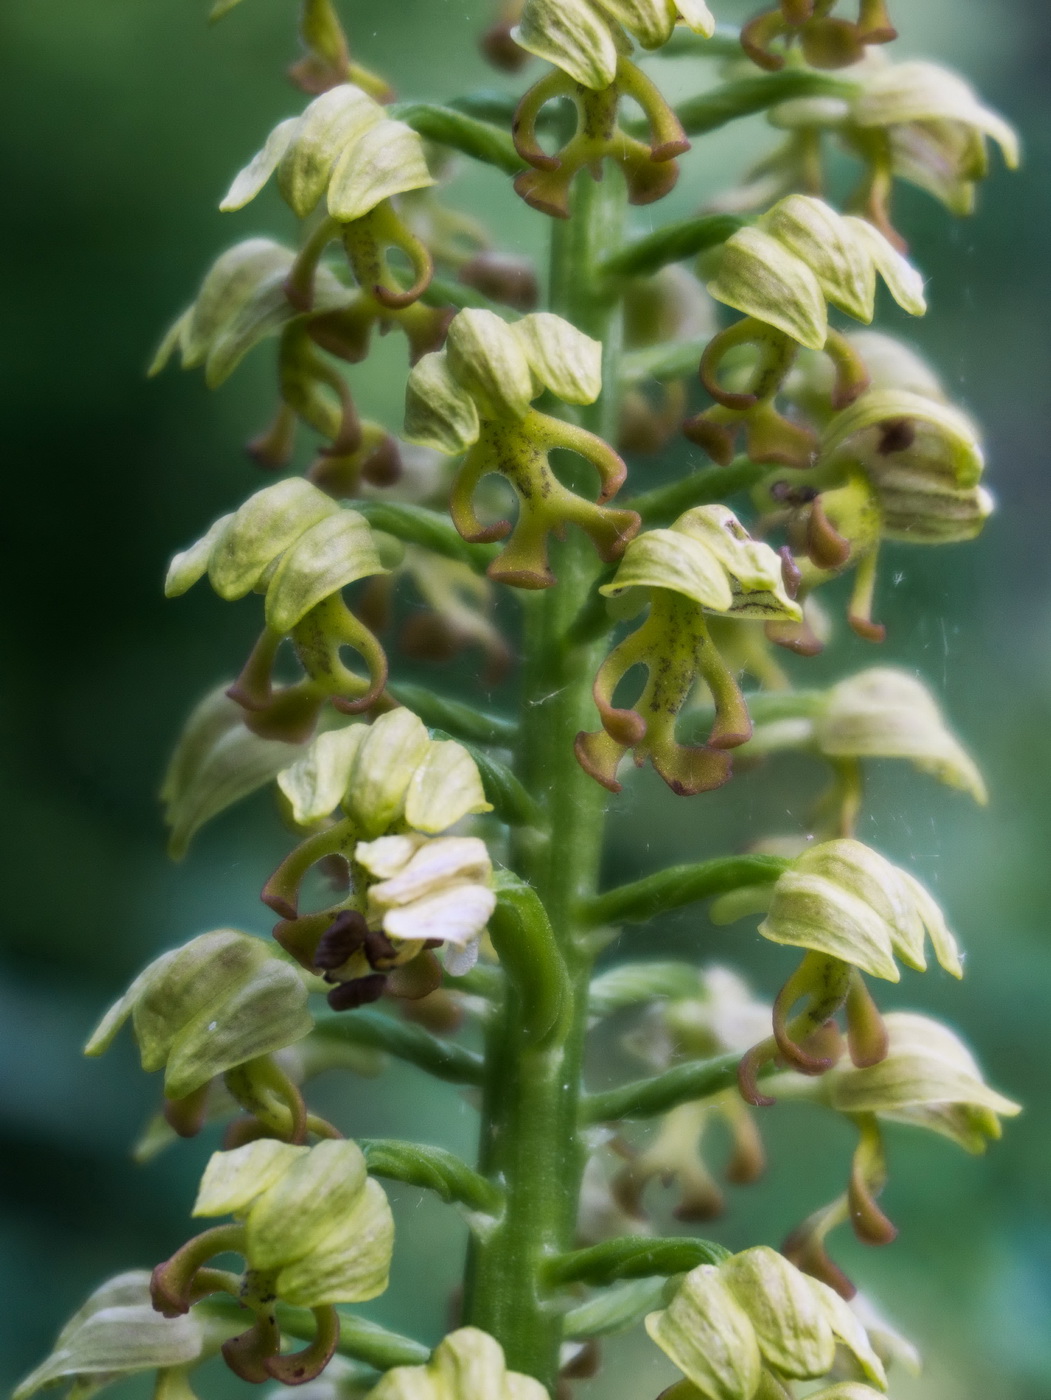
x=116, y=1333
x=241, y=302
x=791, y=1326
x=843, y=900
x=885, y=713
x=438, y=412
x=709, y=1336
x=929, y=1079
x=488, y=360
x=936, y=127
x=708, y=556
x=312, y=1218
x=343, y=144
x=565, y=360
x=220, y=1001
x=383, y=774
x=466, y=1365
x=823, y=239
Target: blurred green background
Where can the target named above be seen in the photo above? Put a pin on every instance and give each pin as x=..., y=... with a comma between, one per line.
x=120, y=124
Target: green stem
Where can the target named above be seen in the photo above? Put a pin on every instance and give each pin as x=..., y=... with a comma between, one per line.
x=529, y=1140
x=669, y=889
x=646, y=1098
x=661, y=505
x=440, y=1058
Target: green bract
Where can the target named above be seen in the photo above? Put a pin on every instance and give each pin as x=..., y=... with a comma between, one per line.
x=843, y=900
x=222, y=1000
x=466, y=1365
x=312, y=1218
x=116, y=1334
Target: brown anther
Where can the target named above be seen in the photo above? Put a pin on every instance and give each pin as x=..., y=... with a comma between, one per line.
x=344, y=937
x=348, y=996
x=896, y=435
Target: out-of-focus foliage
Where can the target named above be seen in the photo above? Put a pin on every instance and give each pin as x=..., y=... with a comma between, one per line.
x=121, y=122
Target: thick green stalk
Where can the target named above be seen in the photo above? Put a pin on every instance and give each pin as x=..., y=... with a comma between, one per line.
x=530, y=1144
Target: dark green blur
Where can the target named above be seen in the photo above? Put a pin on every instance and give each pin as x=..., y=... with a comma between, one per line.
x=121, y=122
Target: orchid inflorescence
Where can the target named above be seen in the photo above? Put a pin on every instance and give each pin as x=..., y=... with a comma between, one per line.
x=445, y=876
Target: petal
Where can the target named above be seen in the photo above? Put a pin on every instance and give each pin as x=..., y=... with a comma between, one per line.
x=565, y=360
x=810, y=912
x=842, y=263
x=445, y=788
x=192, y=564
x=489, y=361
x=673, y=560
x=332, y=125
x=233, y=1180
x=316, y=783
x=249, y=181
x=263, y=529
x=438, y=412
x=393, y=748
x=710, y=1337
x=334, y=552
x=793, y=1330
x=456, y=915
x=759, y=276
x=352, y=1264
x=904, y=282
x=574, y=36
x=387, y=160
x=437, y=863
x=308, y=1203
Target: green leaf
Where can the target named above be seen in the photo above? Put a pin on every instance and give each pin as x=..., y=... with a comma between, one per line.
x=429, y=528
x=631, y=1257
x=440, y=1058
x=461, y=132
x=678, y=885
x=674, y=243
x=614, y=1310
x=453, y=717
x=432, y=1168
x=646, y=1098
x=529, y=954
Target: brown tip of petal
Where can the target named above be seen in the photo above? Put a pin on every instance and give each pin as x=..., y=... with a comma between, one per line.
x=186, y=1116
x=711, y=437
x=826, y=547
x=416, y=979
x=806, y=1251
x=693, y=769
x=866, y=1030
x=668, y=150
x=757, y=34
x=797, y=11
x=532, y=579
x=870, y=1224
x=166, y=1292
x=383, y=465
x=598, y=759
x=510, y=281
x=868, y=631
x=308, y=1364
x=748, y=1076
x=247, y=1354
x=797, y=637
